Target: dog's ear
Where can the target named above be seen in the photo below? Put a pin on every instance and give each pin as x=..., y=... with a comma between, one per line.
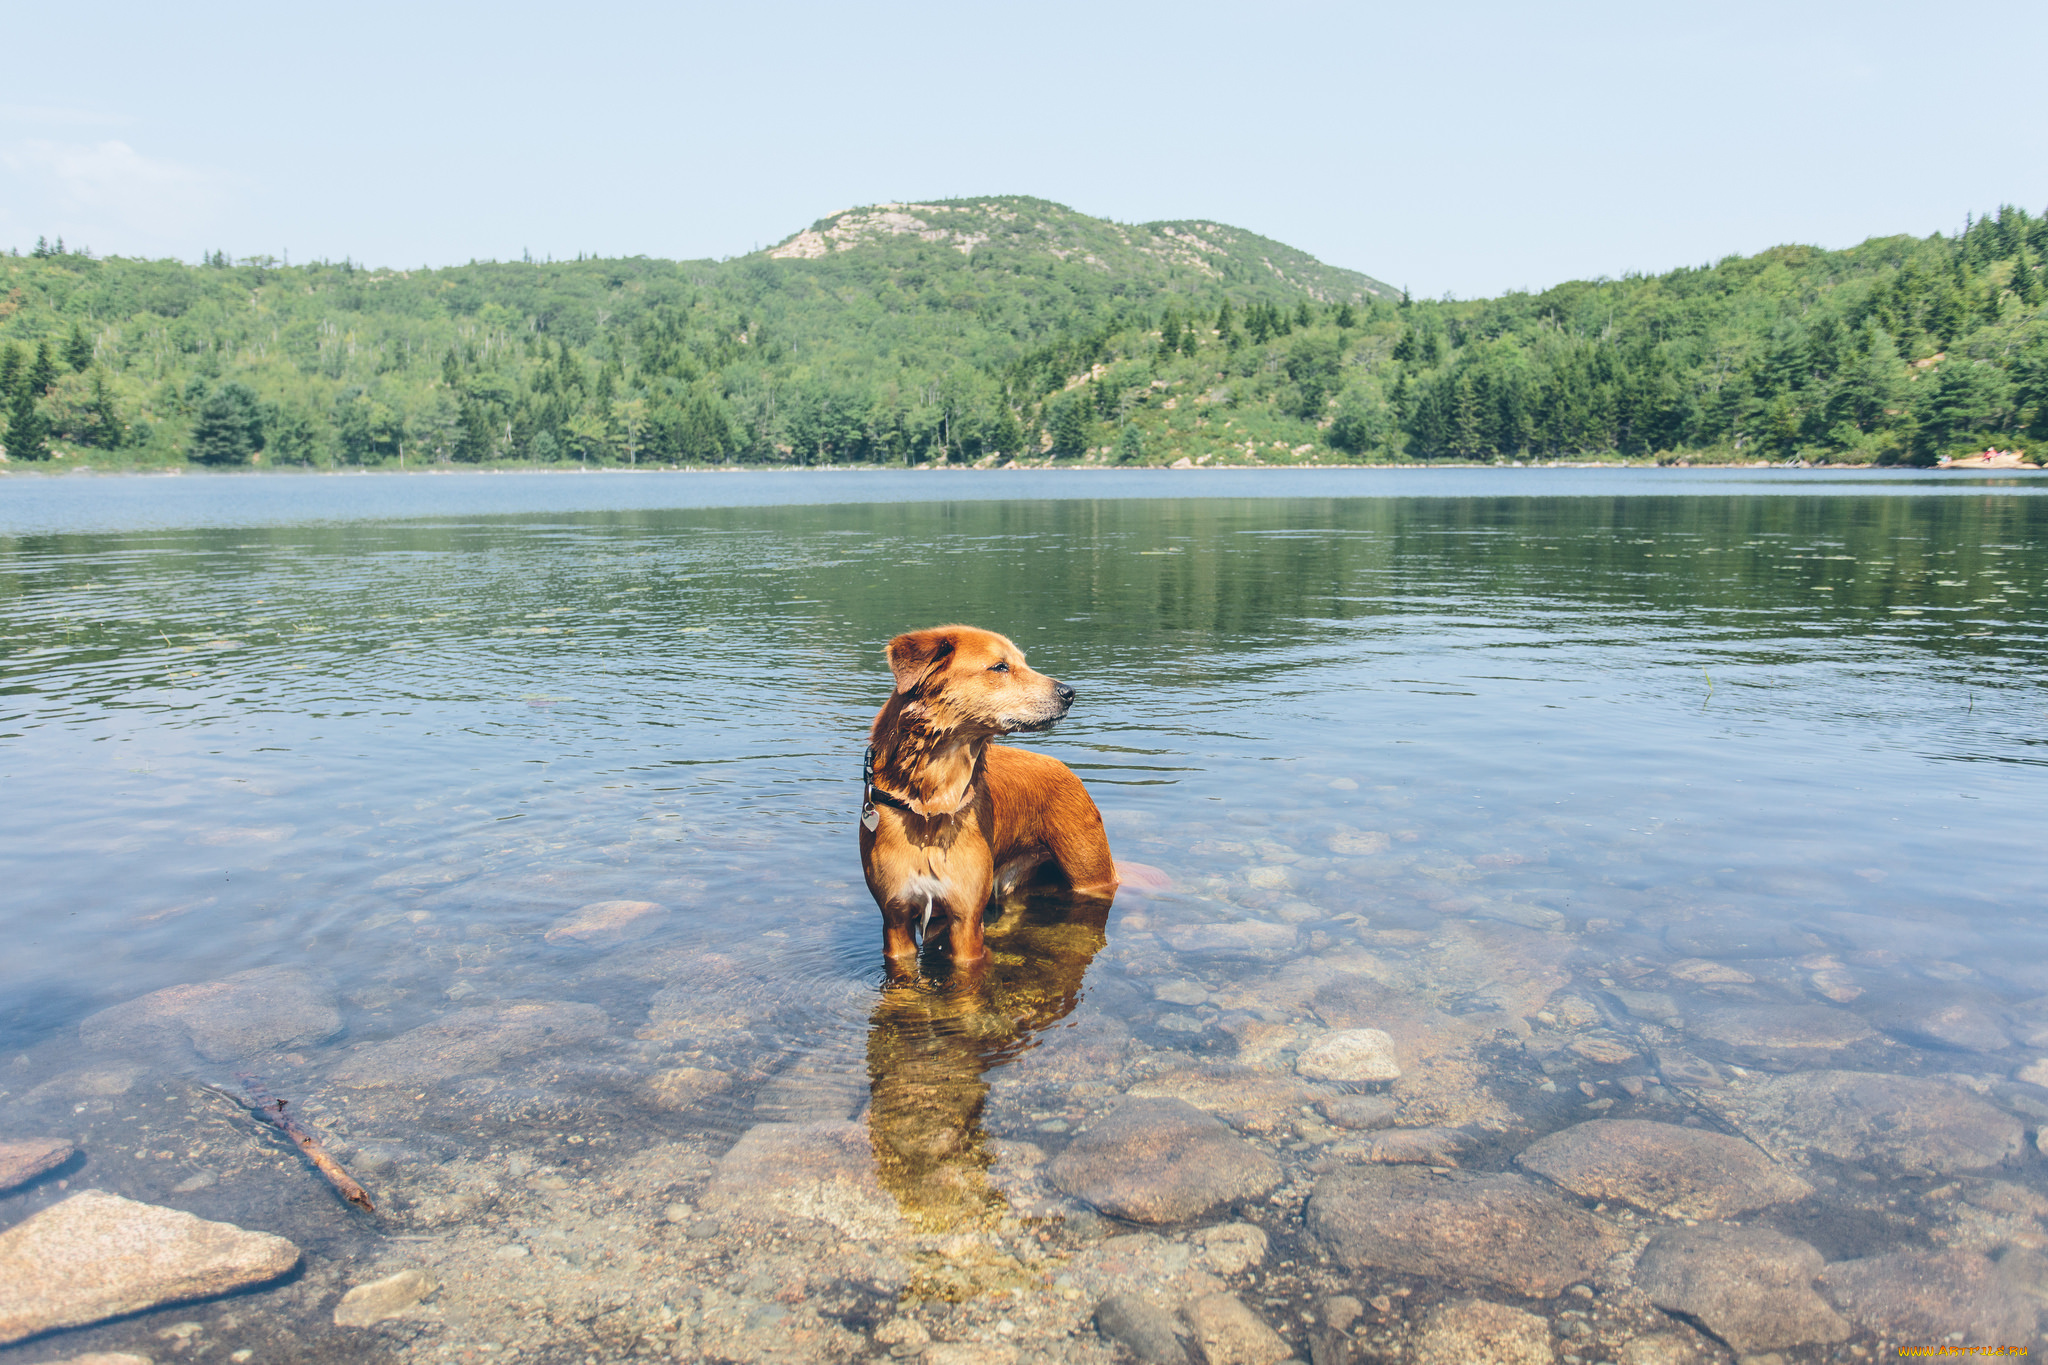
x=912, y=657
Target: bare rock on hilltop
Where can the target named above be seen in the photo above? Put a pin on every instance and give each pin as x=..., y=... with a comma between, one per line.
x=1663, y=1168
x=97, y=1255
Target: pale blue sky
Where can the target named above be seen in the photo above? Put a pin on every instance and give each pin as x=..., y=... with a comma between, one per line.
x=1467, y=148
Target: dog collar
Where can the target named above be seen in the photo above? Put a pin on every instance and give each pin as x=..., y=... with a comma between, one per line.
x=870, y=794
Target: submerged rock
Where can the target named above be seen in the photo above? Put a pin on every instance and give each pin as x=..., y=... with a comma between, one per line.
x=1782, y=1032
x=681, y=1087
x=1228, y=1333
x=1144, y=1329
x=1359, y=1111
x=97, y=1255
x=386, y=1298
x=1250, y=940
x=1922, y=1297
x=23, y=1159
x=604, y=923
x=1905, y=1124
x=1162, y=1161
x=1468, y=1330
x=821, y=1171
x=1354, y=1054
x=1953, y=1025
x=1751, y=1287
x=1663, y=1168
x=472, y=1040
x=238, y=1016
x=1499, y=1229
x=1230, y=1248
x=1249, y=1098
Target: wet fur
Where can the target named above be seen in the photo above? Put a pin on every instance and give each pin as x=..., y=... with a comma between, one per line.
x=986, y=819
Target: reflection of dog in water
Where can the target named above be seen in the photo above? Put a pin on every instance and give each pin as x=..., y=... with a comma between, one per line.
x=950, y=820
x=929, y=1047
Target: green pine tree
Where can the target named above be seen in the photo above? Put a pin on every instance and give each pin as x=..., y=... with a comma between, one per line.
x=77, y=350
x=103, y=421
x=10, y=371
x=42, y=371
x=228, y=429
x=1130, y=445
x=28, y=435
x=1346, y=319
x=2025, y=282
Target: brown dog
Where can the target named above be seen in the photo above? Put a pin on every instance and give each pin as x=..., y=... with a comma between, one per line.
x=949, y=820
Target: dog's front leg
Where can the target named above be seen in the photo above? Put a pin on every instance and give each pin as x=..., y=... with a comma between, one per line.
x=899, y=940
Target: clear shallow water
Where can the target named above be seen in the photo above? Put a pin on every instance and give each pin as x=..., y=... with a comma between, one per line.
x=1572, y=795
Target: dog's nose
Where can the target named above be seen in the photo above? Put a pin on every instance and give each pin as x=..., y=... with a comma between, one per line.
x=1064, y=693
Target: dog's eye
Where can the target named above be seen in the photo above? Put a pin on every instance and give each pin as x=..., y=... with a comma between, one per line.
x=999, y=668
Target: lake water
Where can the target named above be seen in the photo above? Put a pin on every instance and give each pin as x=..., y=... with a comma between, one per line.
x=1704, y=800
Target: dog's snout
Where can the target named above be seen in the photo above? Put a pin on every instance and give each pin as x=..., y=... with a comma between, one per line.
x=1064, y=693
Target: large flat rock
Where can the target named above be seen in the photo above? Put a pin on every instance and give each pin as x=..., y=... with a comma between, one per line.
x=1751, y=1287
x=1903, y=1124
x=1162, y=1161
x=1918, y=1296
x=237, y=1016
x=23, y=1159
x=472, y=1040
x=1495, y=1229
x=1783, y=1033
x=820, y=1171
x=97, y=1255
x=1466, y=1331
x=1663, y=1168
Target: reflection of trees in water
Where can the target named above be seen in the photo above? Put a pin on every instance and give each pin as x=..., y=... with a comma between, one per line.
x=930, y=1045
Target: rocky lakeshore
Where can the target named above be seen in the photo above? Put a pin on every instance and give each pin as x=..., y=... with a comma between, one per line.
x=1343, y=1095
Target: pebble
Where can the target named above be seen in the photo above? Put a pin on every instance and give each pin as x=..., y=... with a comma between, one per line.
x=1500, y=1229
x=2033, y=1073
x=1919, y=1296
x=1662, y=1168
x=1702, y=972
x=1230, y=1248
x=1902, y=1124
x=386, y=1298
x=1228, y=1333
x=1181, y=993
x=471, y=1040
x=1274, y=877
x=1358, y=1111
x=1467, y=1330
x=1751, y=1287
x=604, y=923
x=1144, y=1329
x=1355, y=1055
x=1659, y=1348
x=1411, y=1146
x=1602, y=1051
x=109, y=1358
x=1162, y=1161
x=1782, y=1032
x=1249, y=940
x=97, y=1255
x=1655, y=1006
x=238, y=1016
x=23, y=1159
x=1358, y=844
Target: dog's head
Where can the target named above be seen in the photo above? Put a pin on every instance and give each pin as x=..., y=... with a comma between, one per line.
x=974, y=681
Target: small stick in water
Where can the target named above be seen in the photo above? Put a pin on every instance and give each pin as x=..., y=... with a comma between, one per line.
x=272, y=1111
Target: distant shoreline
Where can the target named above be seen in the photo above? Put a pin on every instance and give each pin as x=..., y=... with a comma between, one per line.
x=43, y=472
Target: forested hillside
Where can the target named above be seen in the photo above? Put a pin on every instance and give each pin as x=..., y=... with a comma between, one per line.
x=987, y=330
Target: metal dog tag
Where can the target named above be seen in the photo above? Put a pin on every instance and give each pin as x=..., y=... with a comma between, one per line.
x=869, y=817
